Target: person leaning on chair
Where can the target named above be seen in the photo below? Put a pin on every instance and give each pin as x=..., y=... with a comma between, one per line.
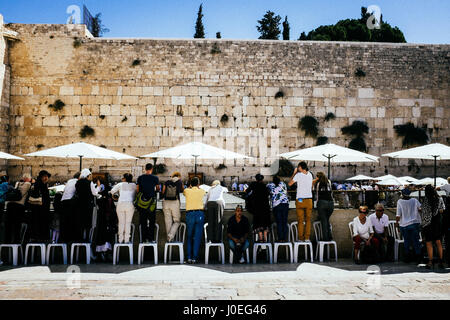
x=237, y=232
x=303, y=202
x=171, y=190
x=325, y=203
x=194, y=219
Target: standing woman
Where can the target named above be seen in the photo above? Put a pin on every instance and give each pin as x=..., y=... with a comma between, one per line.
x=215, y=204
x=259, y=207
x=325, y=203
x=280, y=206
x=125, y=206
x=432, y=208
x=40, y=213
x=84, y=205
x=15, y=211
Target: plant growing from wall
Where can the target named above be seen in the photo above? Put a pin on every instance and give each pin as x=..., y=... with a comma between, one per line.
x=224, y=119
x=321, y=140
x=412, y=135
x=221, y=166
x=87, y=131
x=357, y=130
x=102, y=146
x=160, y=168
x=285, y=168
x=309, y=125
x=124, y=119
x=136, y=62
x=215, y=49
x=57, y=105
x=77, y=43
x=102, y=116
x=279, y=94
x=360, y=73
x=39, y=146
x=329, y=116
x=180, y=111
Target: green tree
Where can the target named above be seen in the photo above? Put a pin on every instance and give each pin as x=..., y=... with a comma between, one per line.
x=218, y=35
x=98, y=29
x=269, y=26
x=286, y=29
x=199, y=29
x=356, y=30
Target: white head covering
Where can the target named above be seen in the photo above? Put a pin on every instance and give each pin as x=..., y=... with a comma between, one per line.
x=85, y=173
x=215, y=183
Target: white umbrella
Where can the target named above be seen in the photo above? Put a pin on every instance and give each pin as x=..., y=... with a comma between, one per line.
x=439, y=182
x=388, y=176
x=58, y=188
x=393, y=181
x=330, y=153
x=7, y=156
x=81, y=150
x=434, y=151
x=360, y=177
x=407, y=179
x=196, y=150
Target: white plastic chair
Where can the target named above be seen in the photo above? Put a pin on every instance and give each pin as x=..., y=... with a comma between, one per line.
x=177, y=242
x=129, y=245
x=256, y=245
x=398, y=238
x=220, y=246
x=247, y=253
x=75, y=247
x=297, y=243
x=322, y=244
x=276, y=245
x=153, y=245
x=15, y=248
x=51, y=250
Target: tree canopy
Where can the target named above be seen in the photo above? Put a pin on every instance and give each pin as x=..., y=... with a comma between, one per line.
x=199, y=28
x=355, y=30
x=269, y=26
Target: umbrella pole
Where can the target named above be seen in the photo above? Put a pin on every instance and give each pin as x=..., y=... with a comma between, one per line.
x=195, y=166
x=435, y=170
x=81, y=162
x=329, y=160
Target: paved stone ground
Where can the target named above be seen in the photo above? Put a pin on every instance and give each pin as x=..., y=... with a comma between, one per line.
x=329, y=280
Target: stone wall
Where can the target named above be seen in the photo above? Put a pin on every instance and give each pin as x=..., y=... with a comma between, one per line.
x=143, y=95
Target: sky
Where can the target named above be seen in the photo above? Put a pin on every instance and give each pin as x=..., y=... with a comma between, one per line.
x=422, y=21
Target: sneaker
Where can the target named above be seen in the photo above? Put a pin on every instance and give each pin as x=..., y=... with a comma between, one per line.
x=242, y=260
x=194, y=261
x=189, y=261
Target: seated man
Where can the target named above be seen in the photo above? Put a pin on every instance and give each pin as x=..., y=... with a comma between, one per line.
x=237, y=232
x=363, y=233
x=380, y=223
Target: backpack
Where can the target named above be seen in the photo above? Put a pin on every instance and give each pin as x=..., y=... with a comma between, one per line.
x=142, y=202
x=171, y=191
x=13, y=195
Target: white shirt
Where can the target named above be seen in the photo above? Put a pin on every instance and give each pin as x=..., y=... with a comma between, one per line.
x=127, y=191
x=363, y=230
x=379, y=224
x=304, y=185
x=216, y=194
x=446, y=188
x=69, y=189
x=408, y=211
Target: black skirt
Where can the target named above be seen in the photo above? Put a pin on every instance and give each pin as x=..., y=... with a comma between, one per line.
x=433, y=231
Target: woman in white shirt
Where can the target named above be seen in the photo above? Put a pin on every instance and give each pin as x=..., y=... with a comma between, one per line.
x=214, y=207
x=125, y=207
x=362, y=232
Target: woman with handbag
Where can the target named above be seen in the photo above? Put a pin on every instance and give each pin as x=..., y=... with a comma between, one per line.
x=39, y=201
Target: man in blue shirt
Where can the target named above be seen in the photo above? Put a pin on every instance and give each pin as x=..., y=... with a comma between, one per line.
x=148, y=184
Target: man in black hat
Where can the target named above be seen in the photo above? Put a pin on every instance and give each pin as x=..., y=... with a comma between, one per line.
x=40, y=213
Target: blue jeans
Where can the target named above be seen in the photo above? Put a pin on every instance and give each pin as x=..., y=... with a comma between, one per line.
x=281, y=215
x=194, y=222
x=238, y=251
x=411, y=236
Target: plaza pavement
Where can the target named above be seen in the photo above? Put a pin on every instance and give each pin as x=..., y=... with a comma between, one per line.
x=328, y=280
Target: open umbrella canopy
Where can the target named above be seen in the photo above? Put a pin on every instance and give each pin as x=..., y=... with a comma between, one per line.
x=391, y=181
x=7, y=156
x=407, y=179
x=439, y=181
x=434, y=151
x=196, y=150
x=329, y=151
x=385, y=177
x=360, y=178
x=427, y=152
x=81, y=150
